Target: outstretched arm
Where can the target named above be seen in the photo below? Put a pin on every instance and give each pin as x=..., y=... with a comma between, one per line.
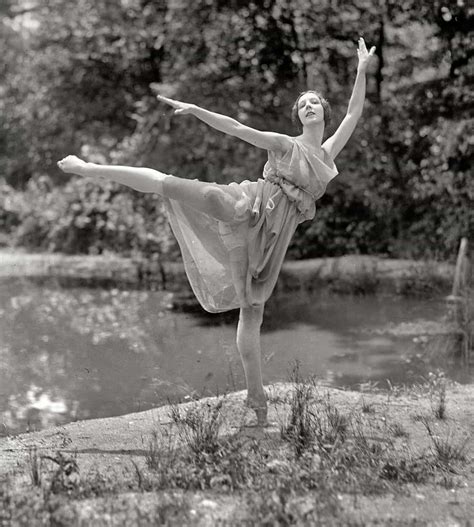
x=265, y=140
x=336, y=142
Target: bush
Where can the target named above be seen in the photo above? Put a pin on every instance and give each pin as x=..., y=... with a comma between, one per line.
x=84, y=217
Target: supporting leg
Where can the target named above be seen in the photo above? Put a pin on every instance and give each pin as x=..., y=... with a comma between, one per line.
x=248, y=344
x=238, y=268
x=205, y=197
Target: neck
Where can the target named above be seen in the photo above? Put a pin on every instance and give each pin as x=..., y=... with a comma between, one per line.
x=313, y=135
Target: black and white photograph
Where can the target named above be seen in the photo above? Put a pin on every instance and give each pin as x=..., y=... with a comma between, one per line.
x=236, y=263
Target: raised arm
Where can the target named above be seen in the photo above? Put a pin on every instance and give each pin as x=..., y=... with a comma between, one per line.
x=265, y=140
x=336, y=142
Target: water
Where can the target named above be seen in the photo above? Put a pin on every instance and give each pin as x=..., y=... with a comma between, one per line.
x=79, y=353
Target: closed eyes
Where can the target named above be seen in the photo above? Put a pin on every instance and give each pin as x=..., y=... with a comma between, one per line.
x=312, y=101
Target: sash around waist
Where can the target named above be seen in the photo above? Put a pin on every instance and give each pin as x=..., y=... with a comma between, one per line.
x=303, y=199
x=280, y=181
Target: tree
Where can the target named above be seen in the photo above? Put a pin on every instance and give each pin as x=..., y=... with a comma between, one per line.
x=88, y=85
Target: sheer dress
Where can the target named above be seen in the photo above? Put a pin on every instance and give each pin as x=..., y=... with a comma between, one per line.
x=266, y=214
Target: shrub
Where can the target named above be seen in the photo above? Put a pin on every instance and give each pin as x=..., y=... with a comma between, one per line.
x=84, y=217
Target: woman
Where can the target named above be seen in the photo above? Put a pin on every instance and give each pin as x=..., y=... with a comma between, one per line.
x=233, y=238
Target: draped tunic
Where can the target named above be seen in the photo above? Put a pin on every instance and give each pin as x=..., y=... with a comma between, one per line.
x=266, y=214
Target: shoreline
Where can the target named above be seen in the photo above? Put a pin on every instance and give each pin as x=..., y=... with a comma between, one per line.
x=346, y=274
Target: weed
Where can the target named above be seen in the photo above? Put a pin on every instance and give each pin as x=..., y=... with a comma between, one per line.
x=407, y=470
x=295, y=478
x=152, y=455
x=418, y=417
x=397, y=430
x=440, y=409
x=66, y=476
x=200, y=426
x=300, y=428
x=436, y=385
x=337, y=424
x=202, y=459
x=139, y=474
x=161, y=456
x=448, y=449
x=367, y=408
x=34, y=467
x=363, y=456
x=96, y=483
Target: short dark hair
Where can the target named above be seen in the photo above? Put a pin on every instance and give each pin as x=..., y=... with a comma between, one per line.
x=324, y=103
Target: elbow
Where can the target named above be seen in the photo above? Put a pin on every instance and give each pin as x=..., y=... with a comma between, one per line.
x=237, y=129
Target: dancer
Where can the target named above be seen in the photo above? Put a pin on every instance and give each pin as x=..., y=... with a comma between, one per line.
x=233, y=238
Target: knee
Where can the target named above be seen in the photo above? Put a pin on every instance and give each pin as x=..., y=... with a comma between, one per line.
x=212, y=195
x=217, y=203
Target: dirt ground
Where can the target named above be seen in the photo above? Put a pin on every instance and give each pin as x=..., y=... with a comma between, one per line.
x=110, y=445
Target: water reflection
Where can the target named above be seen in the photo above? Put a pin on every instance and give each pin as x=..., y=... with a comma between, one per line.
x=77, y=353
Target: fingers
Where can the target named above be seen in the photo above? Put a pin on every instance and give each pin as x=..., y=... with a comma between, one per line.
x=362, y=46
x=166, y=100
x=362, y=49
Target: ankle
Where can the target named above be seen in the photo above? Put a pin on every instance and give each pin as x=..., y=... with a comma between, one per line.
x=86, y=169
x=257, y=402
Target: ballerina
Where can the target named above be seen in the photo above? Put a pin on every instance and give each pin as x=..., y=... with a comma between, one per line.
x=233, y=238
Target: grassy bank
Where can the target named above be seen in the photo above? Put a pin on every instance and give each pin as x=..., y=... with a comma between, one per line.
x=352, y=274
x=329, y=457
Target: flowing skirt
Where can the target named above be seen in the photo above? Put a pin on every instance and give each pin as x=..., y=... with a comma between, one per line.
x=264, y=222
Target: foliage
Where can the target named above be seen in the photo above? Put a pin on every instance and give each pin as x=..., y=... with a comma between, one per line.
x=404, y=187
x=86, y=217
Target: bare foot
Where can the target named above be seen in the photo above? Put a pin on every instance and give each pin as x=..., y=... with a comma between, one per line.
x=72, y=165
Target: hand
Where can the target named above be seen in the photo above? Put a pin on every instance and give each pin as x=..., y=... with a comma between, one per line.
x=180, y=107
x=364, y=55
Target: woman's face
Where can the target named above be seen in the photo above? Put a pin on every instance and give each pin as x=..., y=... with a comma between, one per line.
x=310, y=109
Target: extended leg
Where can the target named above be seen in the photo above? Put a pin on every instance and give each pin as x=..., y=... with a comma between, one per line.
x=205, y=197
x=248, y=344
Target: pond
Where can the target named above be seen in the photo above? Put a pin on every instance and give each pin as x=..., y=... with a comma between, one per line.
x=69, y=353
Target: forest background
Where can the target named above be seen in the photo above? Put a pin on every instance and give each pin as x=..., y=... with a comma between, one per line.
x=77, y=77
